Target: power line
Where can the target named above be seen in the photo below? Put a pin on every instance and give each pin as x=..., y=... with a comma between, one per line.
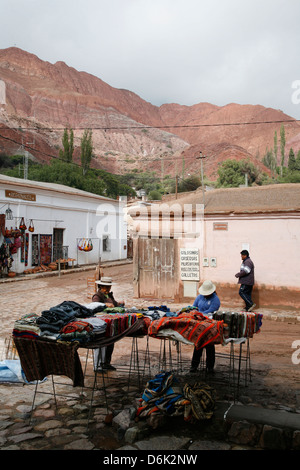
x=173, y=126
x=140, y=127
x=164, y=158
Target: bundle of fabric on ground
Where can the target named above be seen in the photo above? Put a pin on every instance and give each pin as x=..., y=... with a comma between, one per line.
x=202, y=401
x=162, y=394
x=239, y=324
x=26, y=327
x=165, y=395
x=191, y=325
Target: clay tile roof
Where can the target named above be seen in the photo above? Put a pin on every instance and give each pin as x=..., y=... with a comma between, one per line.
x=269, y=198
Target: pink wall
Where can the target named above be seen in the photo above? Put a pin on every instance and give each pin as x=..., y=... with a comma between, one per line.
x=273, y=241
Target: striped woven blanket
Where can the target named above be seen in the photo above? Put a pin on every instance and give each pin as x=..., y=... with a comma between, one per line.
x=193, y=326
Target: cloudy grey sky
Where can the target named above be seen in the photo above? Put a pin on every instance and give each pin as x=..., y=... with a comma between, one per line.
x=170, y=51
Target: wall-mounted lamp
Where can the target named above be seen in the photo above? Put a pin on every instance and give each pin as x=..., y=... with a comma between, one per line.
x=9, y=213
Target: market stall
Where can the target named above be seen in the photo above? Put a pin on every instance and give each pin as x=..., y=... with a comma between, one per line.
x=48, y=344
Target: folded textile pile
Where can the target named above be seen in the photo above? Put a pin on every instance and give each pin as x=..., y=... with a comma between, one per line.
x=117, y=323
x=165, y=395
x=82, y=331
x=76, y=331
x=95, y=307
x=192, y=325
x=26, y=327
x=53, y=320
x=98, y=325
x=239, y=324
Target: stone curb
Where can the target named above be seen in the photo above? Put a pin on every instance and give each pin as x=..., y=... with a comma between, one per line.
x=90, y=267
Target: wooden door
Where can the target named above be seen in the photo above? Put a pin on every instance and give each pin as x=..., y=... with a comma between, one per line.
x=58, y=235
x=156, y=268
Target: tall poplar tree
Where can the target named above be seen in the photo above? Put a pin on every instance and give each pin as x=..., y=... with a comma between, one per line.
x=86, y=150
x=275, y=148
x=68, y=145
x=292, y=166
x=282, y=146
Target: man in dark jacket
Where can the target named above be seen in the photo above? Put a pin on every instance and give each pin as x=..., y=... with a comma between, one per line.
x=246, y=279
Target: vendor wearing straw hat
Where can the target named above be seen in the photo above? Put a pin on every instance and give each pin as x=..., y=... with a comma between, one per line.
x=103, y=295
x=207, y=303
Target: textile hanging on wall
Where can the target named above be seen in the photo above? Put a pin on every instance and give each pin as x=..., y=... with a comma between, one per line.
x=22, y=248
x=26, y=244
x=35, y=250
x=2, y=224
x=45, y=249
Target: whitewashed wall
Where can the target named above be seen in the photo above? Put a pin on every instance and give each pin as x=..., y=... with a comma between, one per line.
x=80, y=214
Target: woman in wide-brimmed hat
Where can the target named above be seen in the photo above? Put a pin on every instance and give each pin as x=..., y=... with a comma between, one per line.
x=207, y=302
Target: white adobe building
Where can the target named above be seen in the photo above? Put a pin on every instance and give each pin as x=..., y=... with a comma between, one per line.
x=64, y=219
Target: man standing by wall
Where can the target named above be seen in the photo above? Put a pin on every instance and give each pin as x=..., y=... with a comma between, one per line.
x=246, y=279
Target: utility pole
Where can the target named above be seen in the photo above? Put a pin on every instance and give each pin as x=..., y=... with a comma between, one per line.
x=25, y=158
x=201, y=157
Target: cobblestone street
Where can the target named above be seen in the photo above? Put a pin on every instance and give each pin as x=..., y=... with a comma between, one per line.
x=275, y=380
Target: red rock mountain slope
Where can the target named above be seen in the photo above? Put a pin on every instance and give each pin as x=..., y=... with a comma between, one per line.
x=38, y=100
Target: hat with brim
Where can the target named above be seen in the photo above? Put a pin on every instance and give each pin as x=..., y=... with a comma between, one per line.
x=207, y=288
x=104, y=281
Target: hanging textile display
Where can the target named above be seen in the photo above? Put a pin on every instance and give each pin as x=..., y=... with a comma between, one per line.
x=2, y=224
x=31, y=227
x=22, y=225
x=7, y=233
x=16, y=233
x=35, y=250
x=22, y=259
x=26, y=245
x=6, y=259
x=45, y=249
x=85, y=244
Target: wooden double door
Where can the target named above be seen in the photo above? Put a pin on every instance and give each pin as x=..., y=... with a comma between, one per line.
x=155, y=263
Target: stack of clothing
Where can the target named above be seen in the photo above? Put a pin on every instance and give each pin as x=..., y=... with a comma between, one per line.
x=52, y=321
x=26, y=327
x=116, y=324
x=89, y=329
x=239, y=325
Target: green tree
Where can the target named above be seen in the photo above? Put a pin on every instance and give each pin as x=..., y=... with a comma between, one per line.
x=154, y=195
x=68, y=145
x=269, y=160
x=282, y=146
x=232, y=174
x=275, y=148
x=298, y=161
x=292, y=166
x=86, y=147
